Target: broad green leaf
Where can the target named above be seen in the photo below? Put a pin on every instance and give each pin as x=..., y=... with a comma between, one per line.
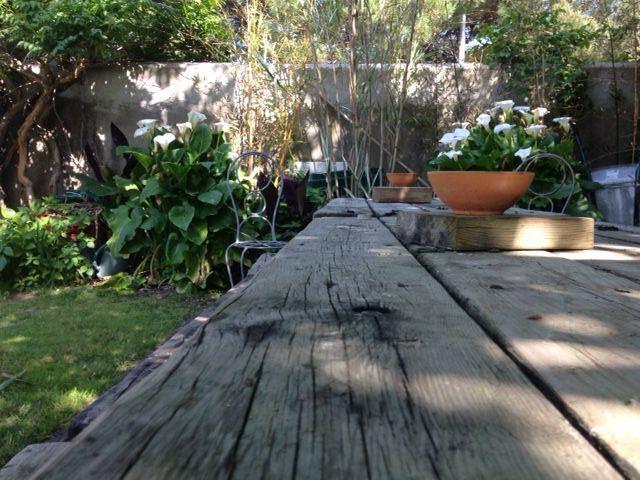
x=123, y=222
x=155, y=220
x=200, y=140
x=3, y=262
x=140, y=154
x=197, y=232
x=212, y=197
x=175, y=248
x=151, y=188
x=182, y=215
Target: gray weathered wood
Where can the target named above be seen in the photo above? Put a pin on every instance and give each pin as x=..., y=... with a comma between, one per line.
x=343, y=359
x=29, y=459
x=402, y=194
x=343, y=207
x=577, y=328
x=499, y=232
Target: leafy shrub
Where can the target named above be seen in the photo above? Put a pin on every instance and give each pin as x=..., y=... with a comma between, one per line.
x=41, y=246
x=172, y=215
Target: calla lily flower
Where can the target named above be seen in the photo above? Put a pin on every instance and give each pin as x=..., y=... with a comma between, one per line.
x=221, y=127
x=449, y=139
x=523, y=153
x=539, y=113
x=564, y=122
x=184, y=130
x=502, y=127
x=461, y=134
x=461, y=124
x=163, y=141
x=522, y=109
x=453, y=154
x=505, y=105
x=195, y=118
x=484, y=120
x=145, y=126
x=535, y=130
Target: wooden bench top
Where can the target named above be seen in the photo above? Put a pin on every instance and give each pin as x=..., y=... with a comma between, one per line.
x=345, y=358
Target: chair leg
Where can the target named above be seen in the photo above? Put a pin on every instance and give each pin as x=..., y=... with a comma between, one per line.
x=228, y=263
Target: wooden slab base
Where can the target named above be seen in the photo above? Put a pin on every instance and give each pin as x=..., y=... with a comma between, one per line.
x=500, y=232
x=402, y=194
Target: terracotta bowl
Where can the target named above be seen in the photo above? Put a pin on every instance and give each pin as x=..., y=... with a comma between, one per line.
x=402, y=179
x=480, y=193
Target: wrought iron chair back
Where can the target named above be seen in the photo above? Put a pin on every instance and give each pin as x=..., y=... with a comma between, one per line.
x=260, y=203
x=266, y=175
x=568, y=176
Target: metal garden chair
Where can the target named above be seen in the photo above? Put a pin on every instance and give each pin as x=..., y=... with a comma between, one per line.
x=260, y=204
x=568, y=176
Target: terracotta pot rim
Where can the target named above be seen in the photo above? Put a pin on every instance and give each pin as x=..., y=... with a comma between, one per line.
x=478, y=172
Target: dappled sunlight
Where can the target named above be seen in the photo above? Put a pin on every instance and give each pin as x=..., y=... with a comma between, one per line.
x=14, y=340
x=73, y=400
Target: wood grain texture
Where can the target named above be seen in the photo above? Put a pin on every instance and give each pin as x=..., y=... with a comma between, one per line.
x=29, y=459
x=343, y=207
x=577, y=328
x=343, y=359
x=500, y=232
x=402, y=194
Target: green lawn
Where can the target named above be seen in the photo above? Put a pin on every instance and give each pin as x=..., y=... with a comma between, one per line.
x=74, y=344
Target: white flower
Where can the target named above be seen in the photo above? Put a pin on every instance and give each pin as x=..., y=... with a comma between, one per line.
x=539, y=113
x=535, y=130
x=195, y=118
x=221, y=127
x=522, y=109
x=461, y=124
x=453, y=154
x=449, y=139
x=505, y=105
x=461, y=134
x=184, y=129
x=502, y=127
x=484, y=120
x=163, y=141
x=494, y=112
x=565, y=122
x=523, y=153
x=144, y=127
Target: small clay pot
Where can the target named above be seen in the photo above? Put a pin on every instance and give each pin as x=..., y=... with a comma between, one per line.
x=402, y=179
x=479, y=193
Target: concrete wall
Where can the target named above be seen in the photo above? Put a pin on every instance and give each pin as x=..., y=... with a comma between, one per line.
x=125, y=94
x=598, y=126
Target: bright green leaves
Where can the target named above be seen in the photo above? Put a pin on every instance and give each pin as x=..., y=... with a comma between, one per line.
x=182, y=215
x=197, y=232
x=200, y=141
x=151, y=188
x=212, y=197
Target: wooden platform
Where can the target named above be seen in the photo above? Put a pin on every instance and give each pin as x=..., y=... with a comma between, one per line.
x=402, y=194
x=443, y=229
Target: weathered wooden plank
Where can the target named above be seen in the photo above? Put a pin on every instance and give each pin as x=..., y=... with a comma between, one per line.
x=391, y=209
x=628, y=237
x=30, y=458
x=343, y=207
x=500, y=232
x=402, y=194
x=611, y=256
x=342, y=359
x=578, y=329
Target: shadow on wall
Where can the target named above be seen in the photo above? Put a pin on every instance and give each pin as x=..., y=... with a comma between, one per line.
x=124, y=94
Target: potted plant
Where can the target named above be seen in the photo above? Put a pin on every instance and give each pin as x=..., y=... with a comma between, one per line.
x=476, y=171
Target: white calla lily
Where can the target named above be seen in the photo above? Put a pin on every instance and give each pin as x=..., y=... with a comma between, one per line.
x=461, y=134
x=502, y=127
x=523, y=153
x=221, y=127
x=184, y=129
x=164, y=140
x=564, y=122
x=145, y=122
x=505, y=105
x=535, y=130
x=195, y=118
x=539, y=113
x=522, y=109
x=453, y=154
x=449, y=139
x=144, y=127
x=484, y=119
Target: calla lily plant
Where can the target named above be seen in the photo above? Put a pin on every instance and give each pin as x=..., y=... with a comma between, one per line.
x=502, y=138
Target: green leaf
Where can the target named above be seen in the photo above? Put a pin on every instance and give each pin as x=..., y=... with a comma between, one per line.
x=200, y=140
x=123, y=222
x=197, y=232
x=151, y=188
x=96, y=187
x=3, y=262
x=181, y=216
x=174, y=249
x=155, y=220
x=140, y=154
x=212, y=197
x=6, y=212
